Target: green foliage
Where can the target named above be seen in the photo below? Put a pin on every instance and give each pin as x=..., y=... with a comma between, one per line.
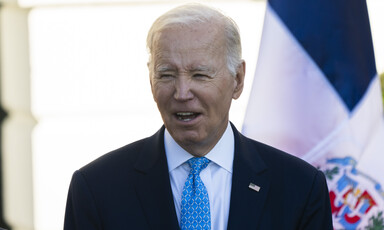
x=376, y=222
x=330, y=173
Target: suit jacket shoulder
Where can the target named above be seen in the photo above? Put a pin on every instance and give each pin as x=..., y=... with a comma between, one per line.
x=121, y=159
x=127, y=188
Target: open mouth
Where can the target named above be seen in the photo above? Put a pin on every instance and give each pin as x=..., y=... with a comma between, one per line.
x=186, y=116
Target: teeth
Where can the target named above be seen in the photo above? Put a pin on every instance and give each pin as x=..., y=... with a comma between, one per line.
x=185, y=116
x=187, y=119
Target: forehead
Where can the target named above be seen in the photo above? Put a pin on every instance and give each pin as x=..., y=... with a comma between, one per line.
x=207, y=38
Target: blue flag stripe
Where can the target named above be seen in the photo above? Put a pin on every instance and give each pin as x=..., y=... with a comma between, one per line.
x=340, y=43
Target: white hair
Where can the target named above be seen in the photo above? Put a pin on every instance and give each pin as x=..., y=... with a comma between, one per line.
x=192, y=14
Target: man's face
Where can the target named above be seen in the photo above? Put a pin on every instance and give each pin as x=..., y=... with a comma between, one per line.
x=192, y=86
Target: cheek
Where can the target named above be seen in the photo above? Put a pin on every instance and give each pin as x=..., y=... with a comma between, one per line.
x=223, y=100
x=160, y=92
x=163, y=98
x=218, y=103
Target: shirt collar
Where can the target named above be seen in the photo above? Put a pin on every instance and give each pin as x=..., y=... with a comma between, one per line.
x=222, y=154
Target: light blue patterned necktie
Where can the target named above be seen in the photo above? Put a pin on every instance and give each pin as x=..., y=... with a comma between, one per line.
x=195, y=213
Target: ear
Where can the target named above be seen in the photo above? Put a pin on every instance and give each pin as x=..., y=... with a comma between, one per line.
x=239, y=78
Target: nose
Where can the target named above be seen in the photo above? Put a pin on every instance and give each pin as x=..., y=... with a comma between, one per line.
x=183, y=89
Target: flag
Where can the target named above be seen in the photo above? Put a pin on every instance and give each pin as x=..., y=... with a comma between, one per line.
x=316, y=94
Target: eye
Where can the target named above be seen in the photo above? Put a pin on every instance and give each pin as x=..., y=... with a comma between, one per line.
x=165, y=76
x=200, y=76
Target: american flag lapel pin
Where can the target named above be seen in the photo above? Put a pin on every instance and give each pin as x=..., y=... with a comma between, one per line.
x=254, y=187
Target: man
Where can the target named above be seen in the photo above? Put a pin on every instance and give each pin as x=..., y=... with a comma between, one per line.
x=198, y=171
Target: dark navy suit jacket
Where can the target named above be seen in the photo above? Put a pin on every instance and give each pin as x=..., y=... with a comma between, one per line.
x=129, y=188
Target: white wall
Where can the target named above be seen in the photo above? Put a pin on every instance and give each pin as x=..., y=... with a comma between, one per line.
x=77, y=86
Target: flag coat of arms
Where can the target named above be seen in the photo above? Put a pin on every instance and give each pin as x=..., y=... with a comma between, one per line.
x=316, y=94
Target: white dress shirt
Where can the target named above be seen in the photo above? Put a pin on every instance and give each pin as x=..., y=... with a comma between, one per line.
x=217, y=177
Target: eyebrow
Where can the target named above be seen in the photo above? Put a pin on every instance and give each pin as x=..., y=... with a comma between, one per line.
x=164, y=68
x=199, y=68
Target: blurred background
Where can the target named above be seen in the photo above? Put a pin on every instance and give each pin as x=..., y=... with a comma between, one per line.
x=74, y=85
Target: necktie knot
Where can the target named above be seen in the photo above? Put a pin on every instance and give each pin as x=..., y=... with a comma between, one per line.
x=197, y=164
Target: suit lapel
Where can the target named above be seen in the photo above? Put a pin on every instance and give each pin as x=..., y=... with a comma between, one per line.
x=153, y=185
x=247, y=204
